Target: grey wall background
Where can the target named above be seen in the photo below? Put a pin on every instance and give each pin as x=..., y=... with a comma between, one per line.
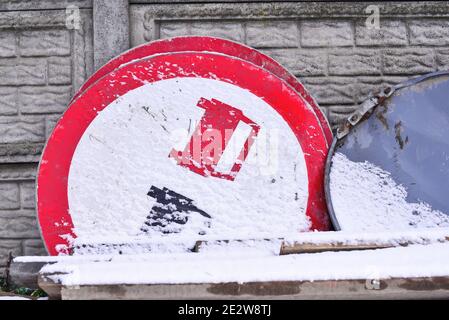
x=326, y=45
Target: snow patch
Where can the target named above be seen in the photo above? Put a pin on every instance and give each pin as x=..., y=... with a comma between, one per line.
x=366, y=198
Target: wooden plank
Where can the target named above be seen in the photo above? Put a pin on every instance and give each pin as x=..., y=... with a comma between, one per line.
x=202, y=243
x=51, y=288
x=298, y=247
x=24, y=274
x=306, y=242
x=410, y=288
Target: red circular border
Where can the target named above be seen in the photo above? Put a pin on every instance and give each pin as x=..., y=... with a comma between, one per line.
x=210, y=44
x=52, y=202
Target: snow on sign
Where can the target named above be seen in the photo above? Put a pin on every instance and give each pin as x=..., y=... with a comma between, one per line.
x=187, y=145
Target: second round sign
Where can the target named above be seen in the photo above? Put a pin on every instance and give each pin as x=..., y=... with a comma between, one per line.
x=193, y=145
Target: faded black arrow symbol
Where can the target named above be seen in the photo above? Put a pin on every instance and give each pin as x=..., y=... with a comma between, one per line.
x=170, y=208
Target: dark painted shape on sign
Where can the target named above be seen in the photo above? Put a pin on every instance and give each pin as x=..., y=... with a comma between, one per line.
x=171, y=207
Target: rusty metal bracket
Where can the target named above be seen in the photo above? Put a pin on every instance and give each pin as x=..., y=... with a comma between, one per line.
x=368, y=105
x=365, y=109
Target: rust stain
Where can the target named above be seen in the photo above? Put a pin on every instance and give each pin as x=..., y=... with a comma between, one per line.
x=255, y=288
x=398, y=131
x=380, y=115
x=429, y=284
x=114, y=290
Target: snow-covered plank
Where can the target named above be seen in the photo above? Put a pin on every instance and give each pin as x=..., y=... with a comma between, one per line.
x=225, y=266
x=343, y=241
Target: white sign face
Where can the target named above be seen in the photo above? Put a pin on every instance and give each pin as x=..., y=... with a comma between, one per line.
x=187, y=145
x=126, y=161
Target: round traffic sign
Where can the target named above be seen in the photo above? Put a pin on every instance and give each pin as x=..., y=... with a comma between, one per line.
x=189, y=145
x=217, y=45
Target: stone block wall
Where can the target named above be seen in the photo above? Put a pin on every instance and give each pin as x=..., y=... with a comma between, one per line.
x=42, y=63
x=325, y=44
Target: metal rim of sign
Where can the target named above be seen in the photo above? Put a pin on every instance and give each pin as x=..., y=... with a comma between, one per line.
x=372, y=103
x=211, y=44
x=52, y=202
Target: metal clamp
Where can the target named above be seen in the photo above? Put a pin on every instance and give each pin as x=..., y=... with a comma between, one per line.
x=365, y=108
x=368, y=105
